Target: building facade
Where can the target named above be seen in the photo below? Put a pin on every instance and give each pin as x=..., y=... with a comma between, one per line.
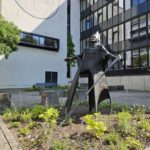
x=124, y=26
x=43, y=44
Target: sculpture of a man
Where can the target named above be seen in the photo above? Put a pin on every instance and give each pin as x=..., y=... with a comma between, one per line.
x=92, y=62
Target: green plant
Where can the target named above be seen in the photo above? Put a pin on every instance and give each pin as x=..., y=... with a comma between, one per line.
x=11, y=114
x=25, y=116
x=32, y=124
x=24, y=131
x=145, y=125
x=9, y=37
x=58, y=145
x=112, y=138
x=37, y=110
x=124, y=121
x=132, y=143
x=137, y=111
x=94, y=125
x=14, y=124
x=50, y=116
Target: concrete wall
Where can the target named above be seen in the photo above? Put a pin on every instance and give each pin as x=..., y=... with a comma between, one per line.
x=28, y=65
x=141, y=83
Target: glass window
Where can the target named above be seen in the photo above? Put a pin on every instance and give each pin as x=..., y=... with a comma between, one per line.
x=104, y=13
x=120, y=6
x=109, y=36
x=100, y=16
x=121, y=32
x=128, y=60
x=128, y=30
x=149, y=55
x=115, y=10
x=95, y=18
x=104, y=35
x=127, y=4
x=143, y=57
x=143, y=21
x=134, y=3
x=83, y=5
x=35, y=40
x=149, y=23
x=141, y=1
x=135, y=57
x=91, y=2
x=109, y=10
x=115, y=35
x=41, y=41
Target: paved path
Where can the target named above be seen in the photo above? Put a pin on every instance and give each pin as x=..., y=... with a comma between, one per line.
x=7, y=140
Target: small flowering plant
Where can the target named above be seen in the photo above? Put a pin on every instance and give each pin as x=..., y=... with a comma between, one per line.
x=94, y=125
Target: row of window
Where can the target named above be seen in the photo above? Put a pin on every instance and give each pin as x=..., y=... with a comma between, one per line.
x=132, y=32
x=39, y=41
x=134, y=59
x=110, y=11
x=126, y=3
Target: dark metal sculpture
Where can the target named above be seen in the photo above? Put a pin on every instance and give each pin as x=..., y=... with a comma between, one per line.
x=92, y=62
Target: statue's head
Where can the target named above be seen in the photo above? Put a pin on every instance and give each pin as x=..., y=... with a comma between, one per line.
x=95, y=39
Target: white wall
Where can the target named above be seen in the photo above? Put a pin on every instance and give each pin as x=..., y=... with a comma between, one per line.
x=141, y=83
x=28, y=65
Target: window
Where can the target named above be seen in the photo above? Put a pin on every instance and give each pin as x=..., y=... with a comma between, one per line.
x=95, y=18
x=143, y=25
x=128, y=60
x=104, y=38
x=100, y=16
x=109, y=36
x=109, y=10
x=51, y=77
x=149, y=23
x=83, y=5
x=127, y=4
x=38, y=41
x=134, y=3
x=115, y=35
x=121, y=32
x=115, y=9
x=104, y=13
x=89, y=22
x=135, y=58
x=143, y=57
x=141, y=1
x=149, y=55
x=128, y=30
x=120, y=6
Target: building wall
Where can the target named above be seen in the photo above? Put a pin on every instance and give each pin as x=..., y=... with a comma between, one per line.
x=27, y=66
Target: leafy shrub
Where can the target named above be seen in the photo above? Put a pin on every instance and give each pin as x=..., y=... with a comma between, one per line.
x=14, y=124
x=37, y=110
x=25, y=116
x=132, y=143
x=94, y=126
x=137, y=111
x=50, y=116
x=32, y=124
x=124, y=119
x=112, y=138
x=24, y=131
x=11, y=114
x=145, y=125
x=58, y=145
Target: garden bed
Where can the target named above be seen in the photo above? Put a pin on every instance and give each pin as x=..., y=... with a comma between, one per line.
x=39, y=128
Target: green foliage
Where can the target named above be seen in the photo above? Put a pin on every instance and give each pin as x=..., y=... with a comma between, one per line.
x=15, y=124
x=33, y=88
x=70, y=50
x=58, y=145
x=137, y=111
x=145, y=125
x=132, y=143
x=24, y=131
x=50, y=116
x=11, y=114
x=94, y=125
x=112, y=138
x=32, y=124
x=37, y=110
x=26, y=116
x=9, y=37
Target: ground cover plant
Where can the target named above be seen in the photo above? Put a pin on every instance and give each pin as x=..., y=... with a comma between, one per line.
x=126, y=128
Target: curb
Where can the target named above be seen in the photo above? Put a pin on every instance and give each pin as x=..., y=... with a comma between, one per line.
x=8, y=139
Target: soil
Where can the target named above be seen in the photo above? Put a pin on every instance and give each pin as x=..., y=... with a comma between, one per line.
x=71, y=136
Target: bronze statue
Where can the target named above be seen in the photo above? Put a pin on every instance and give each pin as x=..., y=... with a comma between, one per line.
x=92, y=62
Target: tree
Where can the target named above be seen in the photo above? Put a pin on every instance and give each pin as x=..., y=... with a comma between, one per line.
x=70, y=50
x=9, y=37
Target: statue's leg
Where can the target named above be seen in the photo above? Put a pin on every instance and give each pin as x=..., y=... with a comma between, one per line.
x=91, y=93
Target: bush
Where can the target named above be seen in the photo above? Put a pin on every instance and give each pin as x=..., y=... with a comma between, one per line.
x=112, y=138
x=14, y=124
x=50, y=116
x=94, y=125
x=24, y=131
x=37, y=110
x=25, y=116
